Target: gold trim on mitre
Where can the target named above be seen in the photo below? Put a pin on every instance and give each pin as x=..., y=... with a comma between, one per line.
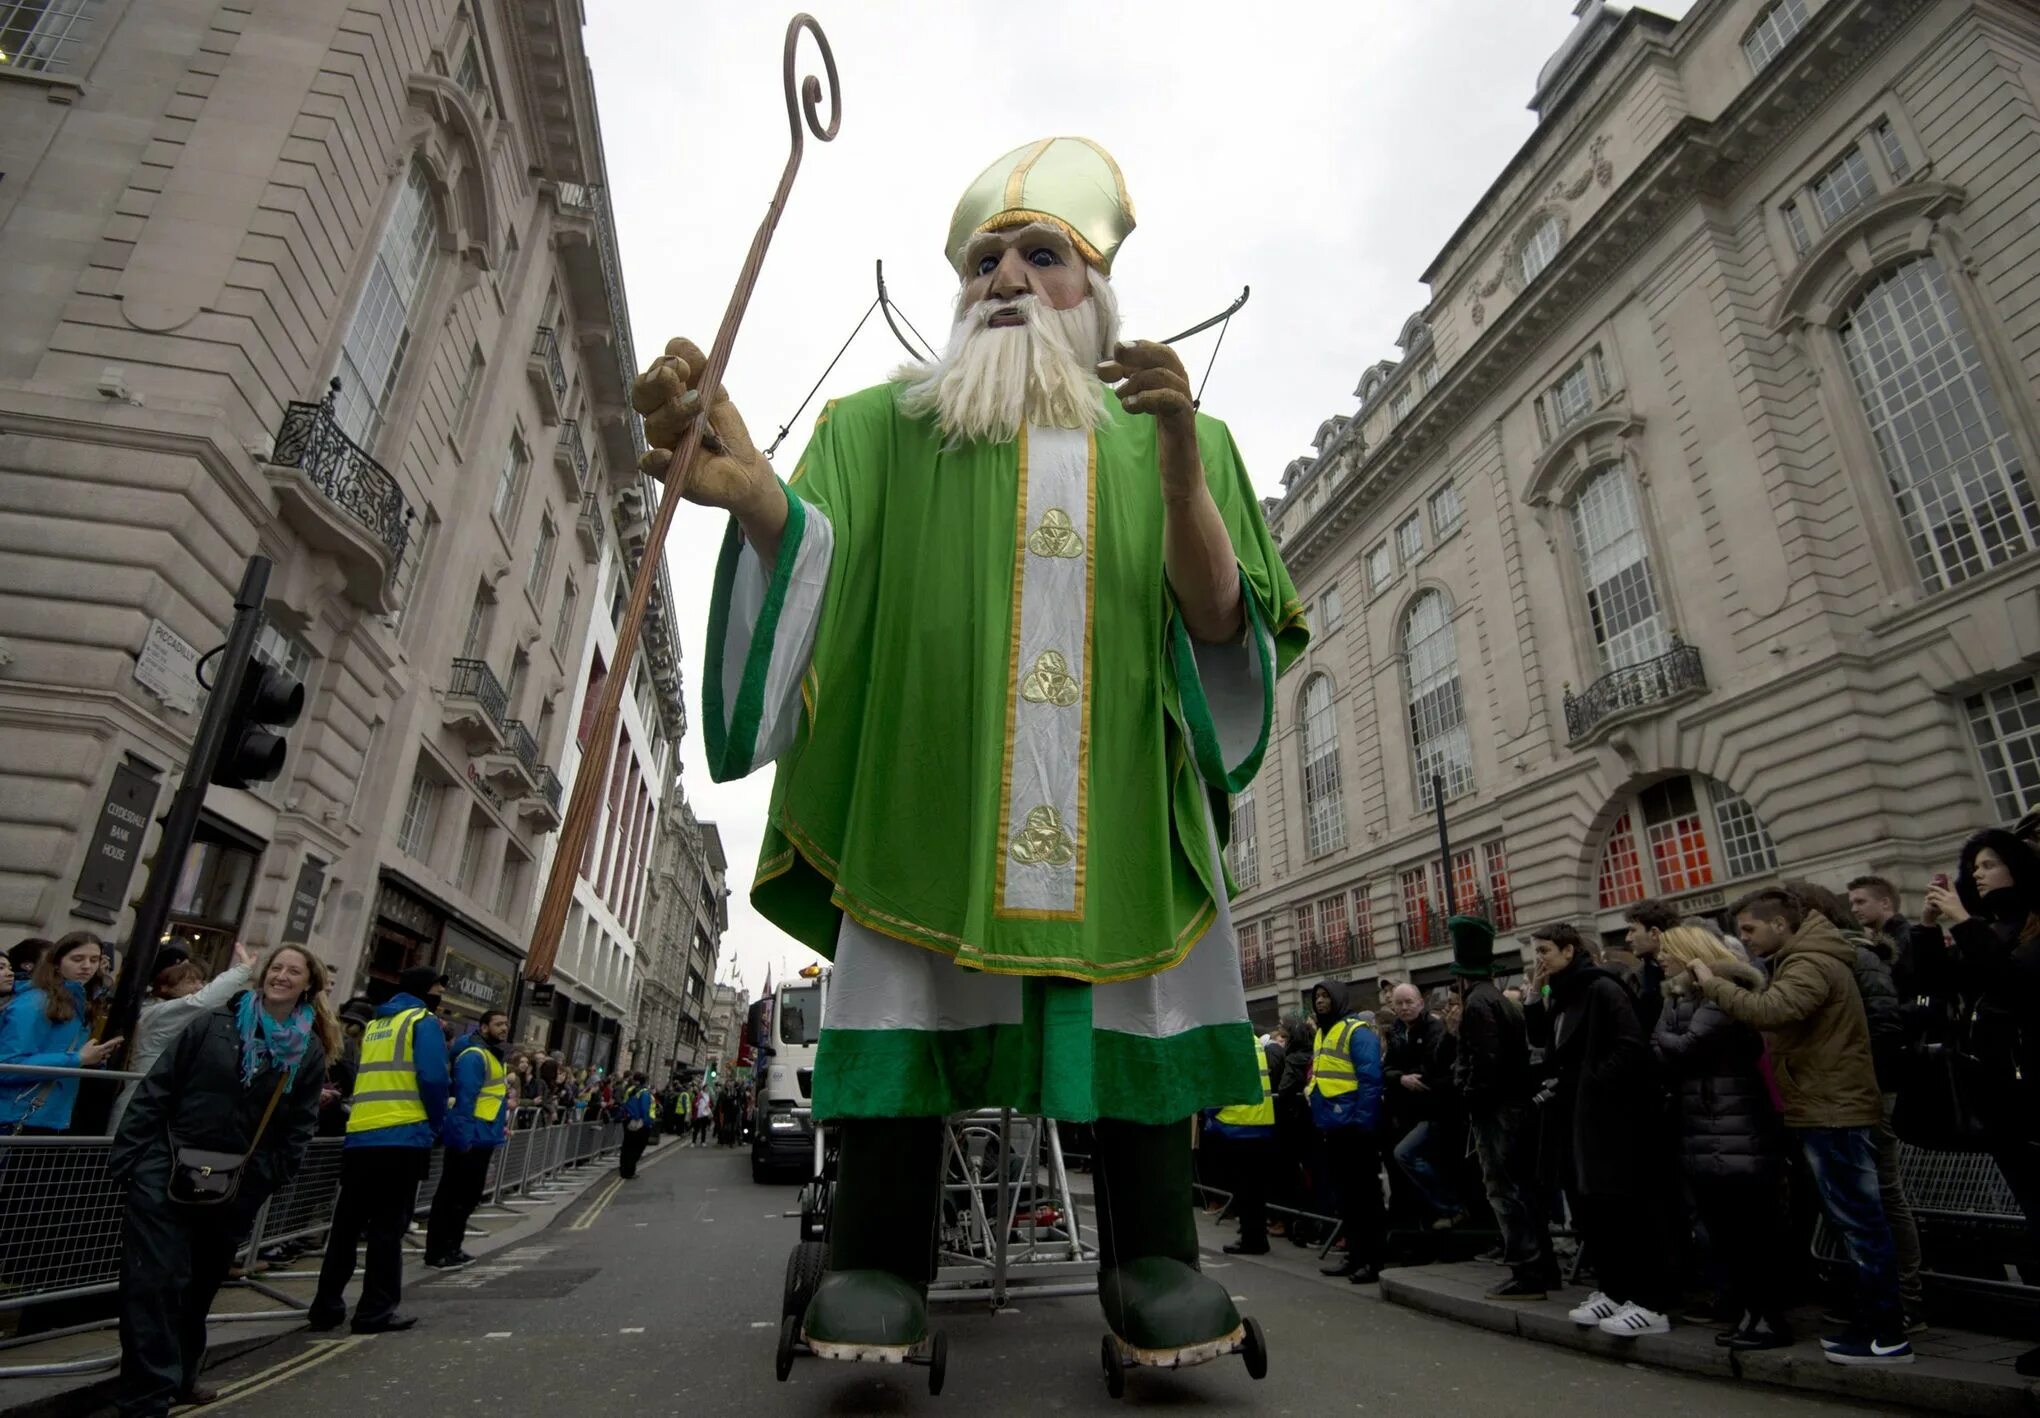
x=1069, y=183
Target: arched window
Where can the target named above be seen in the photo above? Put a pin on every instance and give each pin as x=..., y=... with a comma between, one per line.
x=1949, y=459
x=1682, y=834
x=380, y=334
x=1324, y=810
x=1437, y=709
x=1622, y=600
x=1539, y=247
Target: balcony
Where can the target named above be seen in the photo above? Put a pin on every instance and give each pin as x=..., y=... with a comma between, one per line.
x=570, y=457
x=1429, y=931
x=589, y=525
x=541, y=806
x=1633, y=690
x=1257, y=970
x=516, y=763
x=1326, y=957
x=475, y=705
x=548, y=375
x=339, y=500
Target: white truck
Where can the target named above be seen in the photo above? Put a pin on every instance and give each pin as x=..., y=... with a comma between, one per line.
x=783, y=1137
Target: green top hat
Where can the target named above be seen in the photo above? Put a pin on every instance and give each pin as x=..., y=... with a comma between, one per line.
x=1473, y=946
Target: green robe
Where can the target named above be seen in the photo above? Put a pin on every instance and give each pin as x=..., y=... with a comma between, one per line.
x=998, y=745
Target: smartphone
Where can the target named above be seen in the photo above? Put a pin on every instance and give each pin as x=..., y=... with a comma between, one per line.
x=1941, y=880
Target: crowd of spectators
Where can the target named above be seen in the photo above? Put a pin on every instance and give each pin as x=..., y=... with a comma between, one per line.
x=1672, y=1111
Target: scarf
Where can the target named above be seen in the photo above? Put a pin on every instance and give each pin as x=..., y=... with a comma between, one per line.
x=267, y=1043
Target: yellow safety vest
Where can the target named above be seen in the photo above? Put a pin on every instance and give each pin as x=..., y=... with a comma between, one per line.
x=1331, y=1064
x=1253, y=1115
x=386, y=1081
x=489, y=1102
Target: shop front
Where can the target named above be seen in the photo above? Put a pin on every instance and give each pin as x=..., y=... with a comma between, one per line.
x=210, y=904
x=406, y=932
x=481, y=975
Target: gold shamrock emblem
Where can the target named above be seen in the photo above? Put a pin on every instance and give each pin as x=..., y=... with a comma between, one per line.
x=1056, y=536
x=1050, y=681
x=1041, y=840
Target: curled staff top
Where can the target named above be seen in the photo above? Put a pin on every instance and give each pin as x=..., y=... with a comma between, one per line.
x=811, y=87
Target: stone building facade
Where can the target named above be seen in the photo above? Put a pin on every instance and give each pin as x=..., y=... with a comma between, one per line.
x=1692, y=536
x=683, y=936
x=333, y=283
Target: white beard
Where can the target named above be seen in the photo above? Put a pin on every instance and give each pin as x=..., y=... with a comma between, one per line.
x=989, y=381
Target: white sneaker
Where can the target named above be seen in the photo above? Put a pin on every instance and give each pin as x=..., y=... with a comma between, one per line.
x=1633, y=1319
x=1596, y=1308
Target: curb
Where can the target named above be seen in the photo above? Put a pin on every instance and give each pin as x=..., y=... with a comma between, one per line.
x=1937, y=1385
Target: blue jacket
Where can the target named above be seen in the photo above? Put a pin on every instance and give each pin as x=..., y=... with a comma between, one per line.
x=1362, y=1107
x=428, y=1057
x=28, y=1037
x=638, y=1106
x=464, y=1131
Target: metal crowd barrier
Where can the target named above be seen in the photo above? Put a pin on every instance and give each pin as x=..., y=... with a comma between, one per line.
x=60, y=1215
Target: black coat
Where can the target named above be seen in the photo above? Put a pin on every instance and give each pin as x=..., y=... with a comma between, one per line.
x=1597, y=1131
x=1408, y=1049
x=1729, y=1130
x=193, y=1097
x=1492, y=1067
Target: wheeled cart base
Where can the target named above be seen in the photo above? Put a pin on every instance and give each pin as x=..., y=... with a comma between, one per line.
x=1119, y=1356
x=931, y=1353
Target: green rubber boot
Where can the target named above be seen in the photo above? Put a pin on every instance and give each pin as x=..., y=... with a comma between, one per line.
x=888, y=1193
x=1155, y=1298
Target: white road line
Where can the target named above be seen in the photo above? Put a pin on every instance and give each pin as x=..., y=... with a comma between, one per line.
x=497, y=1334
x=635, y=1329
x=761, y=1324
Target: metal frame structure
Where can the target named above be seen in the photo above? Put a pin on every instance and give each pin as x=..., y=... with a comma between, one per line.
x=998, y=1171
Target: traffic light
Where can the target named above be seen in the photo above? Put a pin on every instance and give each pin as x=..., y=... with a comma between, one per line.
x=252, y=750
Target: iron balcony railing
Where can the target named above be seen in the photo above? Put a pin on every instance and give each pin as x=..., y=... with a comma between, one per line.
x=549, y=786
x=473, y=679
x=1634, y=686
x=1429, y=932
x=1257, y=970
x=575, y=450
x=1324, y=957
x=312, y=441
x=546, y=347
x=523, y=745
x=591, y=523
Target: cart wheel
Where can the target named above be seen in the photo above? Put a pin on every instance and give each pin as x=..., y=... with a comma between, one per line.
x=804, y=1266
x=789, y=1334
x=938, y=1363
x=1255, y=1349
x=1115, y=1371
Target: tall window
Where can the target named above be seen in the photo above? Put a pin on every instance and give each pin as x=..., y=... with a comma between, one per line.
x=1771, y=31
x=1948, y=458
x=510, y=481
x=470, y=384
x=1622, y=602
x=1335, y=932
x=1539, y=247
x=380, y=334
x=1402, y=401
x=1446, y=512
x=1331, y=609
x=563, y=627
x=476, y=639
x=541, y=559
x=1421, y=916
x=510, y=886
x=472, y=848
x=1893, y=147
x=1695, y=833
x=1324, y=809
x=421, y=813
x=1245, y=849
x=2005, y=723
x=1438, y=731
x=1409, y=538
x=469, y=74
x=1501, y=904
x=45, y=36
x=1844, y=187
x=1380, y=567
x=411, y=570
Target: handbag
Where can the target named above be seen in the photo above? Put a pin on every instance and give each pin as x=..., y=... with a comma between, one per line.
x=202, y=1178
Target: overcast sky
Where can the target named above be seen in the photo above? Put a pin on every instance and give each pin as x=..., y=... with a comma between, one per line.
x=1320, y=153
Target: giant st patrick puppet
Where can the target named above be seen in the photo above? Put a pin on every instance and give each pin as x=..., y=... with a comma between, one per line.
x=1010, y=633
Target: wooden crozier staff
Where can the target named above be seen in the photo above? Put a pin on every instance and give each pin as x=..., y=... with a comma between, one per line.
x=594, y=771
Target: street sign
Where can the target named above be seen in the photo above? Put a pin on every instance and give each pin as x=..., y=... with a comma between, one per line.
x=304, y=902
x=542, y=995
x=116, y=841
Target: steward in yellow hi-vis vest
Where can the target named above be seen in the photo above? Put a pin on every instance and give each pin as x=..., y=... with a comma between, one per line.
x=476, y=1125
x=1241, y=1155
x=1345, y=1103
x=398, y=1110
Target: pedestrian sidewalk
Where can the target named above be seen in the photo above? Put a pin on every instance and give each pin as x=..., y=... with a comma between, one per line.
x=1956, y=1372
x=254, y=1319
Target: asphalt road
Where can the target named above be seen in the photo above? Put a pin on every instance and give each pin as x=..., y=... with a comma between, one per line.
x=661, y=1296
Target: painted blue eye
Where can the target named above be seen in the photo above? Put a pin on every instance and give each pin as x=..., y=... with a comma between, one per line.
x=987, y=265
x=1042, y=256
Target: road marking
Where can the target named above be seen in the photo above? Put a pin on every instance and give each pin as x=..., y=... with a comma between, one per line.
x=497, y=1334
x=1236, y=1298
x=596, y=1207
x=321, y=1351
x=636, y=1329
x=761, y=1324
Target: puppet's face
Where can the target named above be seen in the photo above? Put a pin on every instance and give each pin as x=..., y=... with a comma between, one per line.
x=1036, y=260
